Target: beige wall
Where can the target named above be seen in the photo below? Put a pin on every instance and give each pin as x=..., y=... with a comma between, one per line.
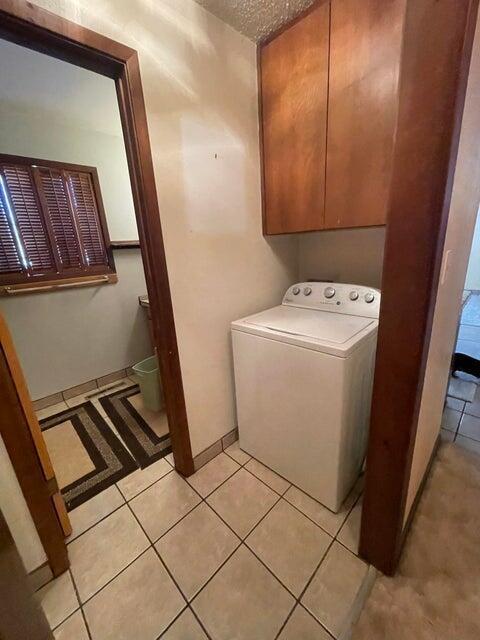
x=351, y=255
x=199, y=80
x=461, y=223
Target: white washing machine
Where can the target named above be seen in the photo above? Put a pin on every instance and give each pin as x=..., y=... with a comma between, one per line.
x=303, y=378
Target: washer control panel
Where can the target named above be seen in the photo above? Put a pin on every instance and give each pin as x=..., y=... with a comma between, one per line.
x=349, y=299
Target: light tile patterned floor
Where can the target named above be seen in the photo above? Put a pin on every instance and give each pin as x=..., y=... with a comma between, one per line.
x=235, y=552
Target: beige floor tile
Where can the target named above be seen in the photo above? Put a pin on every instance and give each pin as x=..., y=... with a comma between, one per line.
x=325, y=518
x=461, y=389
x=451, y=419
x=455, y=404
x=331, y=595
x=237, y=454
x=301, y=626
x=242, y=501
x=447, y=436
x=243, y=601
x=470, y=427
x=52, y=410
x=139, y=603
x=209, y=477
x=468, y=443
x=72, y=629
x=170, y=460
x=102, y=552
x=290, y=545
x=195, y=548
x=268, y=476
x=163, y=504
x=185, y=627
x=58, y=599
x=80, y=389
x=473, y=407
x=135, y=482
x=349, y=534
x=99, y=393
x=94, y=510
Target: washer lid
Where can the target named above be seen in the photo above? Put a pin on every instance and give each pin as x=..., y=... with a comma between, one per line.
x=310, y=323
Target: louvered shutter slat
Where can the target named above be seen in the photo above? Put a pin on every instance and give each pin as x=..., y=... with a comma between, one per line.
x=28, y=218
x=10, y=261
x=62, y=223
x=86, y=211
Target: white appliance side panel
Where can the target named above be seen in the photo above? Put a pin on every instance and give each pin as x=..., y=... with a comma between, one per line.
x=290, y=412
x=359, y=371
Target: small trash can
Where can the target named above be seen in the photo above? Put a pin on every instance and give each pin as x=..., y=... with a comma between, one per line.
x=149, y=381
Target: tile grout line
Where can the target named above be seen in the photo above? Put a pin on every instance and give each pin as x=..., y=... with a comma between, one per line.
x=80, y=604
x=171, y=577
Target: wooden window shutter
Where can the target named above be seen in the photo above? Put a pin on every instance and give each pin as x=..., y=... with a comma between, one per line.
x=10, y=261
x=29, y=220
x=86, y=212
x=56, y=202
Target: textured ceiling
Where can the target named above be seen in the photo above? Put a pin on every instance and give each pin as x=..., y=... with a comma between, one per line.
x=256, y=19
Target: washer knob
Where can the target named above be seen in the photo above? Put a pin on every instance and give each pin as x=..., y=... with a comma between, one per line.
x=353, y=295
x=329, y=292
x=296, y=291
x=307, y=291
x=369, y=298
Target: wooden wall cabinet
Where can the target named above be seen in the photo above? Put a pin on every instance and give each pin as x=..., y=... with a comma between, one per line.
x=329, y=97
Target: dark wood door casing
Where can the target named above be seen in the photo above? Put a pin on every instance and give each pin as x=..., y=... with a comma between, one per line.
x=437, y=47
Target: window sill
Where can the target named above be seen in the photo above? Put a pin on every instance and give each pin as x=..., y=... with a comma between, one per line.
x=57, y=285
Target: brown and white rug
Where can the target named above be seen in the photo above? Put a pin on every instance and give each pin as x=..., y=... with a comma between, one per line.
x=145, y=432
x=436, y=592
x=86, y=455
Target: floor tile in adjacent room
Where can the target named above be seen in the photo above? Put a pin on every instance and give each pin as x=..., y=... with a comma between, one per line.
x=470, y=427
x=349, y=534
x=447, y=436
x=455, y=404
x=195, y=548
x=135, y=482
x=163, y=504
x=243, y=601
x=139, y=603
x=325, y=518
x=274, y=481
x=94, y=510
x=210, y=476
x=237, y=454
x=468, y=443
x=301, y=626
x=185, y=627
x=451, y=419
x=461, y=389
x=52, y=410
x=331, y=595
x=102, y=552
x=290, y=545
x=72, y=629
x=58, y=599
x=242, y=501
x=473, y=408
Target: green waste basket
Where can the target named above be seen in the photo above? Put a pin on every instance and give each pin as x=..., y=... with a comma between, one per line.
x=149, y=381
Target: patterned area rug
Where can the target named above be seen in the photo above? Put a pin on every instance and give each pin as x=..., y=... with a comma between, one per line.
x=144, y=432
x=86, y=455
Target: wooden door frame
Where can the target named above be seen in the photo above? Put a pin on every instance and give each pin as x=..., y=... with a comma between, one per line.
x=31, y=26
x=424, y=167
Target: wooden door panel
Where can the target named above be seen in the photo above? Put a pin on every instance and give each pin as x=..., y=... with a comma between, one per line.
x=365, y=46
x=294, y=86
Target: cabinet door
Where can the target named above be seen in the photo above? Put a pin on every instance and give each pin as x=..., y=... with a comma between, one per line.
x=365, y=45
x=294, y=85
